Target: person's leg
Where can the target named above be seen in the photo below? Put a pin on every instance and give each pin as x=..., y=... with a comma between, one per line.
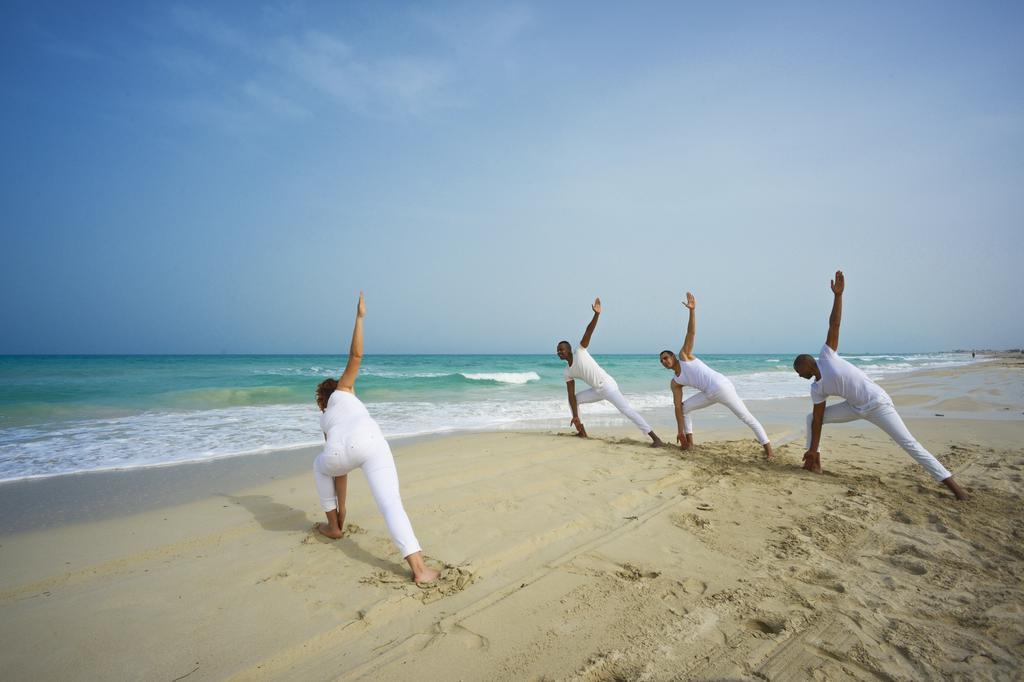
x=837, y=413
x=731, y=399
x=697, y=401
x=886, y=418
x=382, y=476
x=326, y=490
x=613, y=395
x=589, y=395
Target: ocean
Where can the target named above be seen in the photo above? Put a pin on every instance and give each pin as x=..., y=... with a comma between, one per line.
x=63, y=414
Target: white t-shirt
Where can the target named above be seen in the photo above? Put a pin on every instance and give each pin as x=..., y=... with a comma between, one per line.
x=839, y=377
x=701, y=377
x=345, y=418
x=586, y=368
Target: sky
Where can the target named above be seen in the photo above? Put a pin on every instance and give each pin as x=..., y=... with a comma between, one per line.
x=225, y=177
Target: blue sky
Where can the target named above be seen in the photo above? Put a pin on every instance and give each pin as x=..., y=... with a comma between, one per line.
x=225, y=177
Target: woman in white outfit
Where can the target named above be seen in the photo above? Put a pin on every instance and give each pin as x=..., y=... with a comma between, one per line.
x=713, y=388
x=354, y=440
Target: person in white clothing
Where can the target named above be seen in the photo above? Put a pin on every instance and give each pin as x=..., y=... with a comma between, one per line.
x=712, y=388
x=602, y=387
x=354, y=440
x=864, y=399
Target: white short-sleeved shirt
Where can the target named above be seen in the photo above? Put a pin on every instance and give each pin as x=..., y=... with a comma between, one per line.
x=585, y=367
x=701, y=377
x=346, y=418
x=839, y=377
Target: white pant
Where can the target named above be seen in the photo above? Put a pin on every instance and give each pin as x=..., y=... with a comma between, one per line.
x=886, y=418
x=611, y=393
x=371, y=453
x=726, y=396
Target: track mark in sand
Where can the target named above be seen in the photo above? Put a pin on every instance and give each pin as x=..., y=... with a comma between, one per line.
x=453, y=579
x=634, y=574
x=461, y=634
x=277, y=576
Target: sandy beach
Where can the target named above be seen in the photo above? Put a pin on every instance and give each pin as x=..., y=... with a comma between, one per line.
x=563, y=559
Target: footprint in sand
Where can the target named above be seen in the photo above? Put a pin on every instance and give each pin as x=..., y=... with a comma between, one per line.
x=902, y=517
x=695, y=523
x=693, y=586
x=768, y=626
x=907, y=565
x=825, y=579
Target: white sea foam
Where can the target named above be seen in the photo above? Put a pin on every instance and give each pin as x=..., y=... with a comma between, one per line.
x=503, y=377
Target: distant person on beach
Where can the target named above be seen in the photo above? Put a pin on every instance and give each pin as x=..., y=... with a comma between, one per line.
x=712, y=386
x=864, y=399
x=355, y=440
x=602, y=386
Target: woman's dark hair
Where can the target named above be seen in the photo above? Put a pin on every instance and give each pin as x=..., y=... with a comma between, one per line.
x=324, y=391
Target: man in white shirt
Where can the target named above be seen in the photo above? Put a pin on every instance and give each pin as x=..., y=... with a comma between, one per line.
x=602, y=387
x=864, y=400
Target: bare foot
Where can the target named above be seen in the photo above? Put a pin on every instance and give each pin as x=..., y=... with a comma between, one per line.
x=427, y=575
x=421, y=573
x=332, y=533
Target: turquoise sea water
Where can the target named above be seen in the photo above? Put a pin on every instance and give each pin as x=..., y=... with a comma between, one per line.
x=61, y=414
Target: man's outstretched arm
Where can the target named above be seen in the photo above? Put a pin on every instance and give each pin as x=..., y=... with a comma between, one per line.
x=817, y=419
x=838, y=285
x=691, y=327
x=355, y=352
x=585, y=341
x=677, y=404
x=570, y=386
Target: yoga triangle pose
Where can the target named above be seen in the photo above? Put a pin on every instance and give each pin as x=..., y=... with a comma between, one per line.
x=353, y=441
x=863, y=399
x=712, y=388
x=602, y=387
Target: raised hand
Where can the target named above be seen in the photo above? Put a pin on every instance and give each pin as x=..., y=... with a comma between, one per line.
x=838, y=284
x=361, y=306
x=690, y=301
x=597, y=306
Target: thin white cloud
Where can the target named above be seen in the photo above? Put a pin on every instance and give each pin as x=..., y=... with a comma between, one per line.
x=279, y=66
x=273, y=102
x=202, y=24
x=478, y=30
x=183, y=61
